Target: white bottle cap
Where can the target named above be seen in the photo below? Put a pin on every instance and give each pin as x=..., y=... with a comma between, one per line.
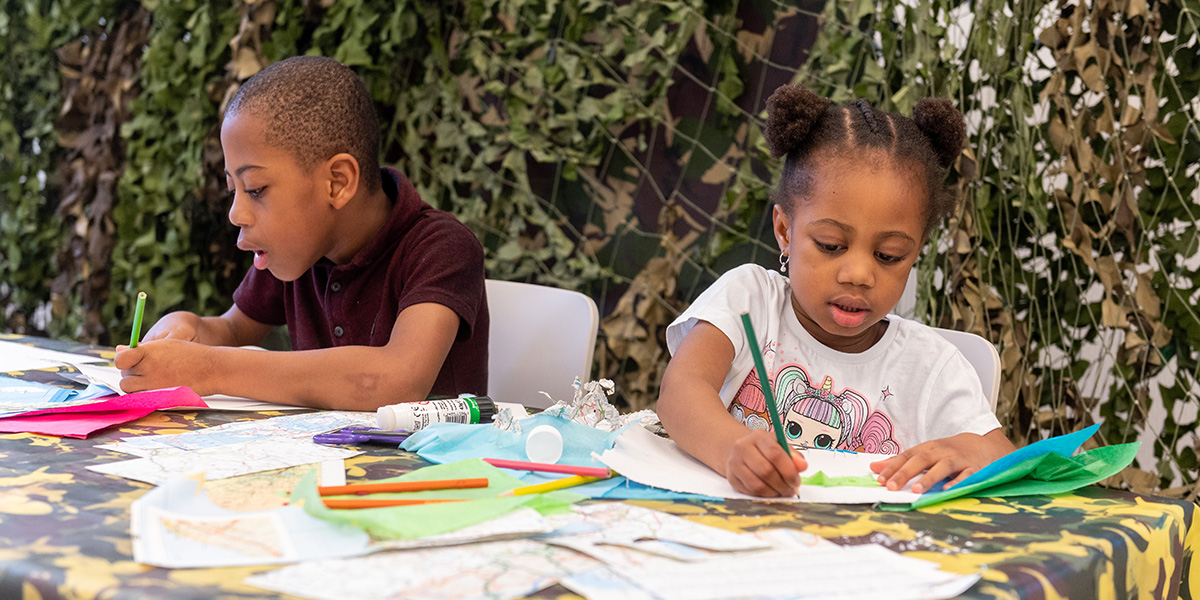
x=399, y=417
x=544, y=444
x=385, y=418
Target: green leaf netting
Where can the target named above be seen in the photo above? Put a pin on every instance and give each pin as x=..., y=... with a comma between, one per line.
x=615, y=148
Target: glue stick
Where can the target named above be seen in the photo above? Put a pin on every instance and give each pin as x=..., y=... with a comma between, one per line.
x=411, y=416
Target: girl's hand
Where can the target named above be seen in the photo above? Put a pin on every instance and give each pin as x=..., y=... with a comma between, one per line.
x=758, y=466
x=957, y=456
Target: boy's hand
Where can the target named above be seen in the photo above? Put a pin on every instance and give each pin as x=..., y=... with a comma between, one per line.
x=179, y=325
x=165, y=363
x=758, y=466
x=960, y=456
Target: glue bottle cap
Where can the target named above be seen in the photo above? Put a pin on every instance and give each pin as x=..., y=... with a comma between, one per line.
x=544, y=444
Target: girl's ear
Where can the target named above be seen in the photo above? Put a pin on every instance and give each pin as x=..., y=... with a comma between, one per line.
x=783, y=228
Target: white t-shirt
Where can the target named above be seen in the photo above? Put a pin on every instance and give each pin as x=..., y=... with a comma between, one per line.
x=912, y=386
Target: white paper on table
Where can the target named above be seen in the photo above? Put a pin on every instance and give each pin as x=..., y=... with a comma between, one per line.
x=175, y=525
x=223, y=402
x=604, y=584
x=491, y=570
x=518, y=410
x=107, y=376
x=859, y=572
x=616, y=524
x=142, y=449
x=19, y=357
x=228, y=460
x=497, y=569
x=782, y=571
x=110, y=377
x=835, y=463
x=648, y=459
x=520, y=523
x=296, y=427
x=333, y=472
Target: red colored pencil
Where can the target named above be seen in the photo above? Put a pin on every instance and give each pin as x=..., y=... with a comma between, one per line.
x=520, y=465
x=383, y=502
x=403, y=486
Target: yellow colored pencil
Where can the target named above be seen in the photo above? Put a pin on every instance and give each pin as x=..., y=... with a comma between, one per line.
x=550, y=486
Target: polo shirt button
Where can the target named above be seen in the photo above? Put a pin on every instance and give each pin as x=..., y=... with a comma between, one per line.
x=335, y=286
x=338, y=331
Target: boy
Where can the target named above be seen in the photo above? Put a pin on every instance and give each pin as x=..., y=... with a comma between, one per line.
x=383, y=296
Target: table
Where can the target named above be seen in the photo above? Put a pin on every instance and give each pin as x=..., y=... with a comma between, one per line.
x=64, y=530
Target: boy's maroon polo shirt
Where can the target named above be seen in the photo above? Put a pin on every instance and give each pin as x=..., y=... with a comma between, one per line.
x=421, y=255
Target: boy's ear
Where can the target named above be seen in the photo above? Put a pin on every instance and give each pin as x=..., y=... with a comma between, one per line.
x=782, y=226
x=343, y=179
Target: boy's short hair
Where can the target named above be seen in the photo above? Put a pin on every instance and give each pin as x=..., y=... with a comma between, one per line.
x=315, y=107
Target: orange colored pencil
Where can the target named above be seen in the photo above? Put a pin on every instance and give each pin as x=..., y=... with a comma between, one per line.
x=382, y=502
x=403, y=486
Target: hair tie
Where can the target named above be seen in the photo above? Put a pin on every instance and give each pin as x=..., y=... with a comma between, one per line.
x=868, y=115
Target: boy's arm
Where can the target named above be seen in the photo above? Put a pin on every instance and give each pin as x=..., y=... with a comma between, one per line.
x=233, y=328
x=344, y=378
x=691, y=410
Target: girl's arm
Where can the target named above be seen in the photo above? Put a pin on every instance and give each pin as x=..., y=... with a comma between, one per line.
x=957, y=456
x=691, y=410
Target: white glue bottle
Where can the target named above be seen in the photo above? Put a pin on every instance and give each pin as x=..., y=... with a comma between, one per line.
x=411, y=416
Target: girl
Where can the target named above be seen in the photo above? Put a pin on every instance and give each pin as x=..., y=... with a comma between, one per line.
x=859, y=193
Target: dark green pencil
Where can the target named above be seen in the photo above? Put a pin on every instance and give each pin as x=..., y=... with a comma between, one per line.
x=766, y=383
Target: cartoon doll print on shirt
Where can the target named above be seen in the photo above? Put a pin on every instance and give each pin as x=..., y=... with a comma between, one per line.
x=815, y=417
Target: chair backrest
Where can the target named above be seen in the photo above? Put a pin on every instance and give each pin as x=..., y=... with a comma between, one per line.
x=541, y=339
x=982, y=355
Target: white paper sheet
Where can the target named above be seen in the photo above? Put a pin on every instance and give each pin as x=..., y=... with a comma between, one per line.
x=223, y=461
x=176, y=526
x=223, y=402
x=848, y=464
x=618, y=525
x=648, y=459
x=19, y=357
x=333, y=472
x=764, y=564
x=110, y=376
x=852, y=572
x=297, y=427
x=492, y=570
x=520, y=523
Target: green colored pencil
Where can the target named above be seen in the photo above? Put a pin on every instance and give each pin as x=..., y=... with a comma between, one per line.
x=137, y=319
x=772, y=411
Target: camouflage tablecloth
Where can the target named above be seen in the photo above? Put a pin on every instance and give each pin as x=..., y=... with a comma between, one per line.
x=64, y=530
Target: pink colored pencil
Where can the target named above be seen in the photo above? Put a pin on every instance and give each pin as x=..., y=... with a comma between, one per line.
x=520, y=465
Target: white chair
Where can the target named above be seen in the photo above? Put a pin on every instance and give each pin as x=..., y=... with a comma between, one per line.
x=982, y=355
x=541, y=339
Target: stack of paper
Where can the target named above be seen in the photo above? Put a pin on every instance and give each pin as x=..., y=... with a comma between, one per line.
x=233, y=449
x=176, y=526
x=18, y=396
x=621, y=551
x=80, y=419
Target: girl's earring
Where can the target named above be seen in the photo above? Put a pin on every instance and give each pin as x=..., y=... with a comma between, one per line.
x=783, y=261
